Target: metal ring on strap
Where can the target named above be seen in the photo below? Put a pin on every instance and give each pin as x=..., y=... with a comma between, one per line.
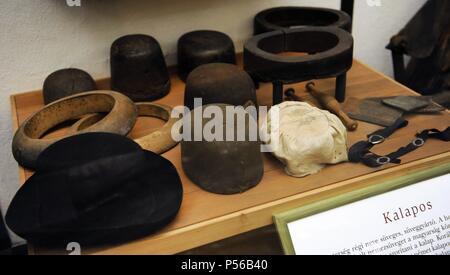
x=159, y=141
x=120, y=119
x=376, y=139
x=383, y=160
x=418, y=142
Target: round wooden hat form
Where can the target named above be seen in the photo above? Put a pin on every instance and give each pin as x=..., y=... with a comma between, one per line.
x=222, y=166
x=138, y=68
x=293, y=17
x=67, y=82
x=219, y=83
x=203, y=47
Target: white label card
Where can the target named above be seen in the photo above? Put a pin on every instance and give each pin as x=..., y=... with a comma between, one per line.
x=414, y=220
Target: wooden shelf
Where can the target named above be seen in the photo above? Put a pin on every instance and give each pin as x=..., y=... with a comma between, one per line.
x=206, y=217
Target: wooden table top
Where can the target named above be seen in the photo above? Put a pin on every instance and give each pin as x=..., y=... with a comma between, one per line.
x=205, y=217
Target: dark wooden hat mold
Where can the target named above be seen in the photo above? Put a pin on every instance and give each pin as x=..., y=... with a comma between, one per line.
x=138, y=68
x=219, y=83
x=202, y=47
x=67, y=82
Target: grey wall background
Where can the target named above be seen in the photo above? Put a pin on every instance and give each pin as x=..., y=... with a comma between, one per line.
x=38, y=37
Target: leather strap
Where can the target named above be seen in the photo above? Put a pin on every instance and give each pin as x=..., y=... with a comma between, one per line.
x=360, y=152
x=379, y=136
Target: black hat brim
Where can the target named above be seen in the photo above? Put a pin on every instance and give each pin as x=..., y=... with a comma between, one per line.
x=147, y=201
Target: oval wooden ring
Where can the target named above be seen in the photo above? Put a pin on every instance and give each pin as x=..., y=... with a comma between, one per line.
x=121, y=117
x=331, y=55
x=275, y=19
x=159, y=141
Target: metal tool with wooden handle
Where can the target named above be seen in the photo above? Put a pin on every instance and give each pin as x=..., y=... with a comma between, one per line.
x=331, y=104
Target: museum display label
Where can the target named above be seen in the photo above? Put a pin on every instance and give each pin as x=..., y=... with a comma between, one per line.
x=412, y=220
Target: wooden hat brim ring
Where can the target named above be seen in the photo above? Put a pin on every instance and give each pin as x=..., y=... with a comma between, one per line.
x=120, y=119
x=159, y=141
x=329, y=54
x=281, y=18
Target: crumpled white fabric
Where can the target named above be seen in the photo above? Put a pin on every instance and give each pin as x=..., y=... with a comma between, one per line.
x=309, y=138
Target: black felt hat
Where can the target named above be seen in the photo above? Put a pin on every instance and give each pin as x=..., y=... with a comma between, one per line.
x=95, y=188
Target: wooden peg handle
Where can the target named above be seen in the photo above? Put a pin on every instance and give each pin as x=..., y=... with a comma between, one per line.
x=331, y=104
x=290, y=93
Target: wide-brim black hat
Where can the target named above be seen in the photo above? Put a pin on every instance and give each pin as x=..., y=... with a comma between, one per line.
x=95, y=188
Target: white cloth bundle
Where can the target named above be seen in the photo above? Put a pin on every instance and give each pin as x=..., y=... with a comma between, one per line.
x=308, y=138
